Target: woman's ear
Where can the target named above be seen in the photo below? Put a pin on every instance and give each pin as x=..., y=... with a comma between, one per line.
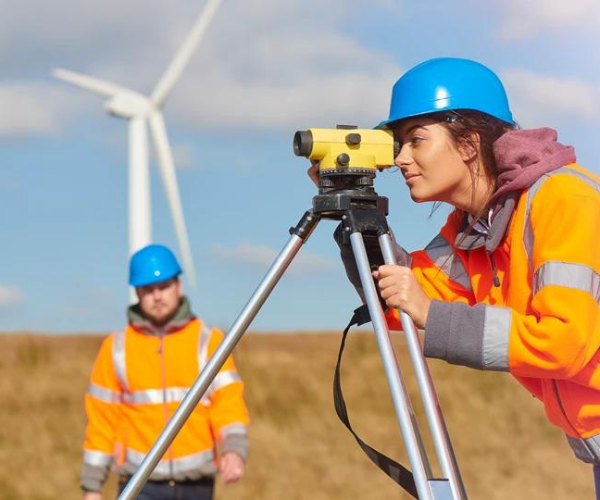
x=469, y=147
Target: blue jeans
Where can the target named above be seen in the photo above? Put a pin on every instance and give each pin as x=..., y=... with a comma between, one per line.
x=171, y=490
x=597, y=480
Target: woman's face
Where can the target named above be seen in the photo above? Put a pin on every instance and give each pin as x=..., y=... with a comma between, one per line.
x=434, y=168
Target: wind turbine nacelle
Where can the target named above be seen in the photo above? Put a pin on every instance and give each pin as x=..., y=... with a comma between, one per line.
x=129, y=105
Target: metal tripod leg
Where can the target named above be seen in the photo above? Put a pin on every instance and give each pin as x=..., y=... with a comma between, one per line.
x=428, y=488
x=433, y=412
x=299, y=235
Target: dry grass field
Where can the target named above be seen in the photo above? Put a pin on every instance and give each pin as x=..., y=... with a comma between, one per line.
x=299, y=449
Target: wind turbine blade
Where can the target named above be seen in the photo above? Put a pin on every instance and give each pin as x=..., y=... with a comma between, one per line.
x=100, y=87
x=178, y=64
x=140, y=226
x=167, y=170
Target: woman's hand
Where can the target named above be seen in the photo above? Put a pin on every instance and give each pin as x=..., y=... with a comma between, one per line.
x=313, y=172
x=400, y=289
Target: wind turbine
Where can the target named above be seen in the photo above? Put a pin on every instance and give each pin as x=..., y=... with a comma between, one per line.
x=142, y=111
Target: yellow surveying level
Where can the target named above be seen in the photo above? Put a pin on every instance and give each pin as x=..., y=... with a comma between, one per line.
x=346, y=149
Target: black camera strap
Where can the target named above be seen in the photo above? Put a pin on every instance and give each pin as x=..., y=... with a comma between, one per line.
x=398, y=473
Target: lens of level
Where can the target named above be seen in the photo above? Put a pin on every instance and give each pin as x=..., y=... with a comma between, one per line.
x=303, y=143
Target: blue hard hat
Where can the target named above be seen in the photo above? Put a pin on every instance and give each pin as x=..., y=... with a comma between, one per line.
x=445, y=84
x=152, y=264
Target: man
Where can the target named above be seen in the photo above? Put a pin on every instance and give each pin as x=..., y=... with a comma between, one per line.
x=139, y=378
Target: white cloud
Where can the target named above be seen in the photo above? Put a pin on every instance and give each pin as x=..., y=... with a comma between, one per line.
x=287, y=64
x=262, y=256
x=537, y=99
x=326, y=100
x=278, y=78
x=274, y=79
x=28, y=108
x=526, y=19
x=9, y=296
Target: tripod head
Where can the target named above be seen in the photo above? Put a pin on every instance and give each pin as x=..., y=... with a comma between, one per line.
x=348, y=160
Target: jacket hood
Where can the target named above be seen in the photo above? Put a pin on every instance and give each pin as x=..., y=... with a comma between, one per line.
x=522, y=157
x=182, y=317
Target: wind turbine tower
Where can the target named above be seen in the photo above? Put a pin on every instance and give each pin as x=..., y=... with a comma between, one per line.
x=143, y=112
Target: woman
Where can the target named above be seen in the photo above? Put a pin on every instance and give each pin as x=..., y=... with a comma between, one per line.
x=512, y=281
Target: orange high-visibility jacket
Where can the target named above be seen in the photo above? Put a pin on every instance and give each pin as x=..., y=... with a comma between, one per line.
x=136, y=385
x=542, y=323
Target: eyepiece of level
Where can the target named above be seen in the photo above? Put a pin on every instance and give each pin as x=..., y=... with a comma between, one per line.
x=303, y=143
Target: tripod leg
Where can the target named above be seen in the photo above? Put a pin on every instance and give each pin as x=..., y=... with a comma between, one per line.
x=418, y=460
x=299, y=235
x=441, y=440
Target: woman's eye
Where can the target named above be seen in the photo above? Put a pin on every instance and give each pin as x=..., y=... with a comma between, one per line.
x=416, y=140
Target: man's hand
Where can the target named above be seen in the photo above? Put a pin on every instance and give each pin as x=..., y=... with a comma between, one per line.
x=400, y=289
x=231, y=467
x=92, y=495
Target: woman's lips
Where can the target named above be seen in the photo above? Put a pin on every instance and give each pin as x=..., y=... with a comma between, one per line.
x=411, y=178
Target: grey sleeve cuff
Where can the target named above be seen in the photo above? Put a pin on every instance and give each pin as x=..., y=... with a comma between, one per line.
x=93, y=477
x=454, y=333
x=236, y=443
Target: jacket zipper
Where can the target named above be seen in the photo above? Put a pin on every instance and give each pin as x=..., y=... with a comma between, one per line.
x=492, y=262
x=562, y=408
x=161, y=351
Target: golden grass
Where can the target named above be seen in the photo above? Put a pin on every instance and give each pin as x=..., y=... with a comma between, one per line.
x=299, y=449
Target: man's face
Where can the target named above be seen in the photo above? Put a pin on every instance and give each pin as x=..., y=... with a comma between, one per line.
x=160, y=301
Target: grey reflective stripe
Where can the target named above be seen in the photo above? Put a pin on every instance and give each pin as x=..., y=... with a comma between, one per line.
x=527, y=230
x=580, y=175
x=97, y=458
x=168, y=468
x=496, y=332
x=203, y=339
x=156, y=396
x=231, y=429
x=528, y=236
x=587, y=450
x=577, y=276
x=103, y=394
x=222, y=379
x=442, y=255
x=119, y=358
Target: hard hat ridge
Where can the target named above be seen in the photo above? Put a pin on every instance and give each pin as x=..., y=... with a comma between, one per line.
x=152, y=264
x=447, y=84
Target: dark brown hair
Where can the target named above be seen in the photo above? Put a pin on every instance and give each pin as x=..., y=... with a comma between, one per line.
x=479, y=131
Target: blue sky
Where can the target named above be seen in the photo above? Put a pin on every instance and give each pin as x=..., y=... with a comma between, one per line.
x=265, y=69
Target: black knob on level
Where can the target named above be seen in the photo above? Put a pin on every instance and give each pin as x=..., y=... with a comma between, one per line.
x=343, y=159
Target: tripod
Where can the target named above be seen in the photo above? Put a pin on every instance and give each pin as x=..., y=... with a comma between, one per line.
x=352, y=200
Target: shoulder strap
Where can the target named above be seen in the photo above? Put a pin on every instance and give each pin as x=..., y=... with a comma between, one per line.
x=398, y=473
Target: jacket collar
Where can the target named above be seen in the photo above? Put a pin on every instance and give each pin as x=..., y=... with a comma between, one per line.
x=182, y=317
x=469, y=237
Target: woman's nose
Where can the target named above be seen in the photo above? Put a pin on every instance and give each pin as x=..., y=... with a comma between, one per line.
x=403, y=157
